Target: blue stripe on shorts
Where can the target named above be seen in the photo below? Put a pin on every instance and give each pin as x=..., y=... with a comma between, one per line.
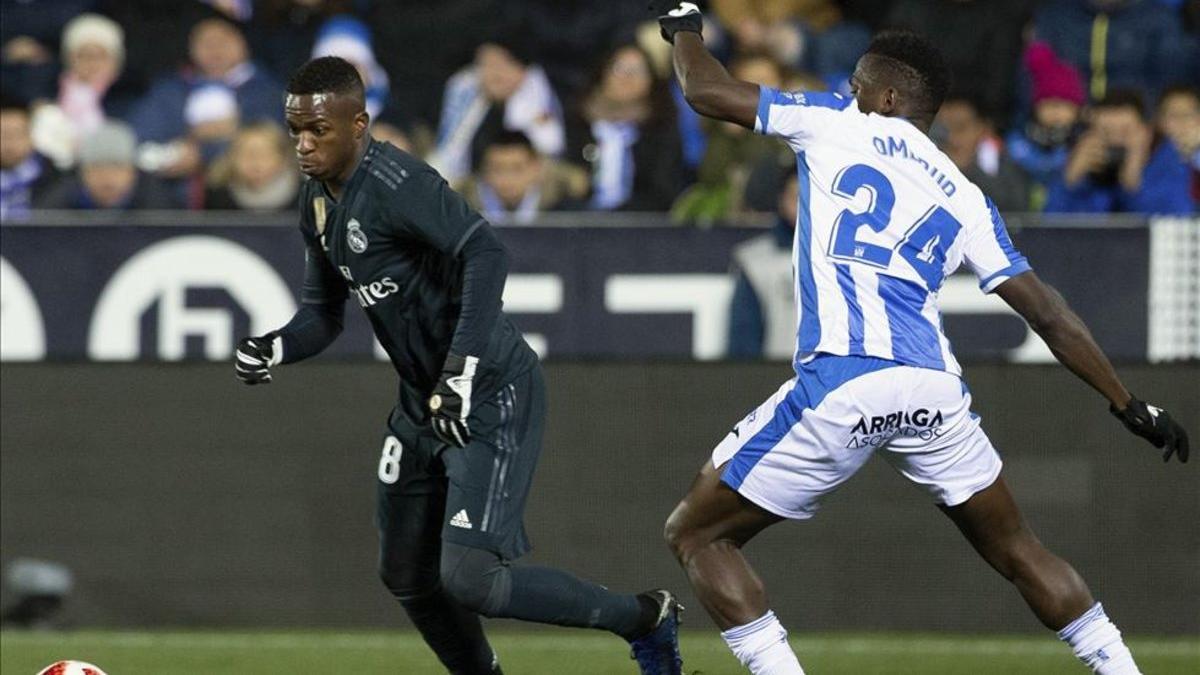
x=814, y=381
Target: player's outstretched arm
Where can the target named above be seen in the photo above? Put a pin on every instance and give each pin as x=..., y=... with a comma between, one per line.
x=707, y=86
x=1072, y=344
x=314, y=327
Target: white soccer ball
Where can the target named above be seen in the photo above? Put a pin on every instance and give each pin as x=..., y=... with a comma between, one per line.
x=71, y=668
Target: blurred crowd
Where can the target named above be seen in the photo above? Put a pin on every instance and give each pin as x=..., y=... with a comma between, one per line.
x=528, y=106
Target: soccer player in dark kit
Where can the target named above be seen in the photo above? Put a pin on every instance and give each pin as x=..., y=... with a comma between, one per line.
x=464, y=437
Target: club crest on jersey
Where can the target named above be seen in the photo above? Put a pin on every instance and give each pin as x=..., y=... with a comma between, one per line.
x=355, y=238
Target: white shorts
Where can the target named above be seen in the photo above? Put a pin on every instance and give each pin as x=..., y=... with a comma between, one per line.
x=820, y=427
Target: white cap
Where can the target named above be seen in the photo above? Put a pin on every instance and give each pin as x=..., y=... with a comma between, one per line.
x=93, y=29
x=210, y=103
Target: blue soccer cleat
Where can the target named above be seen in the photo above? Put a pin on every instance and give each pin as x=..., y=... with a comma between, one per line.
x=657, y=652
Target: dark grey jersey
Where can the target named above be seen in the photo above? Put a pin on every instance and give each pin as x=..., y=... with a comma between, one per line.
x=394, y=243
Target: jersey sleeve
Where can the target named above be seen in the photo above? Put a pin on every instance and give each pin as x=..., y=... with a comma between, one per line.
x=990, y=253
x=426, y=208
x=322, y=284
x=796, y=116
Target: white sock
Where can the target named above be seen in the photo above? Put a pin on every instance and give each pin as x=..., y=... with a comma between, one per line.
x=762, y=646
x=1097, y=642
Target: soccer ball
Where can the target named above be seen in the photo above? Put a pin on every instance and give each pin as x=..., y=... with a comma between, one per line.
x=71, y=668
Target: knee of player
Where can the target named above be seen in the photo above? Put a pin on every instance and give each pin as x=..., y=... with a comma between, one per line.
x=408, y=582
x=475, y=578
x=679, y=536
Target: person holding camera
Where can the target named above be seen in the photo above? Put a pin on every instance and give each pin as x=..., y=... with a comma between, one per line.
x=1115, y=165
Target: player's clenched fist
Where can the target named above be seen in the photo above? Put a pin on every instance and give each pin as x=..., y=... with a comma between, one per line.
x=450, y=404
x=1155, y=425
x=255, y=356
x=675, y=17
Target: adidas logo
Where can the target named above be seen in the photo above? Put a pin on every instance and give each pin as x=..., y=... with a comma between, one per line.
x=460, y=519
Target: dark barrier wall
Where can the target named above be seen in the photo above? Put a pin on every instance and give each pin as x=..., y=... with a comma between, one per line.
x=183, y=291
x=179, y=497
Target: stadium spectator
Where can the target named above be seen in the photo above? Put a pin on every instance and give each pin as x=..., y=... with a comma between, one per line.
x=1116, y=167
x=733, y=153
x=515, y=184
x=158, y=34
x=257, y=173
x=350, y=39
x=762, y=314
x=210, y=112
x=500, y=90
x=1178, y=121
x=91, y=87
x=416, y=139
x=29, y=37
x=625, y=134
x=1040, y=147
x=1136, y=44
x=428, y=41
x=752, y=21
x=981, y=40
x=107, y=177
x=970, y=141
x=24, y=174
x=220, y=56
x=803, y=34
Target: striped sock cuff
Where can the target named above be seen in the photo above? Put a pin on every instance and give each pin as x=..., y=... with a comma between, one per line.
x=739, y=632
x=1072, y=629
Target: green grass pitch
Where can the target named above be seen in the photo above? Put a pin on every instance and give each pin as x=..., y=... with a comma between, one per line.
x=554, y=652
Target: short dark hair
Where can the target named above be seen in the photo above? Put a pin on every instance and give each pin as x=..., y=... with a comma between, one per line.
x=327, y=75
x=9, y=102
x=978, y=108
x=1122, y=98
x=510, y=137
x=919, y=61
x=1179, y=90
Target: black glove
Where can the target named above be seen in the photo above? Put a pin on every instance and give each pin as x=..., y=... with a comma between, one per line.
x=674, y=16
x=1155, y=425
x=255, y=356
x=451, y=400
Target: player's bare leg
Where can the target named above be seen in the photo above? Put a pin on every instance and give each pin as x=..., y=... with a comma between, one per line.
x=1058, y=596
x=706, y=533
x=993, y=524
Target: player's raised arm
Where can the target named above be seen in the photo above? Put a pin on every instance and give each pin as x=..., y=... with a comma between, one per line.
x=707, y=86
x=1072, y=344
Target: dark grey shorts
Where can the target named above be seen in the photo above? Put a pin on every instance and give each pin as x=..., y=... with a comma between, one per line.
x=484, y=485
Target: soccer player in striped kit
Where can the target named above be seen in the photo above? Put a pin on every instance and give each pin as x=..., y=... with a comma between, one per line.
x=884, y=217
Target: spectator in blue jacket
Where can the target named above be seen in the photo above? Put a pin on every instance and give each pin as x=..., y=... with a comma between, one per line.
x=219, y=56
x=1040, y=148
x=762, y=314
x=24, y=174
x=1115, y=166
x=1134, y=43
x=1178, y=121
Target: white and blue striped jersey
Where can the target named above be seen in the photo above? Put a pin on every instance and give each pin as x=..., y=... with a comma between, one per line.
x=884, y=217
